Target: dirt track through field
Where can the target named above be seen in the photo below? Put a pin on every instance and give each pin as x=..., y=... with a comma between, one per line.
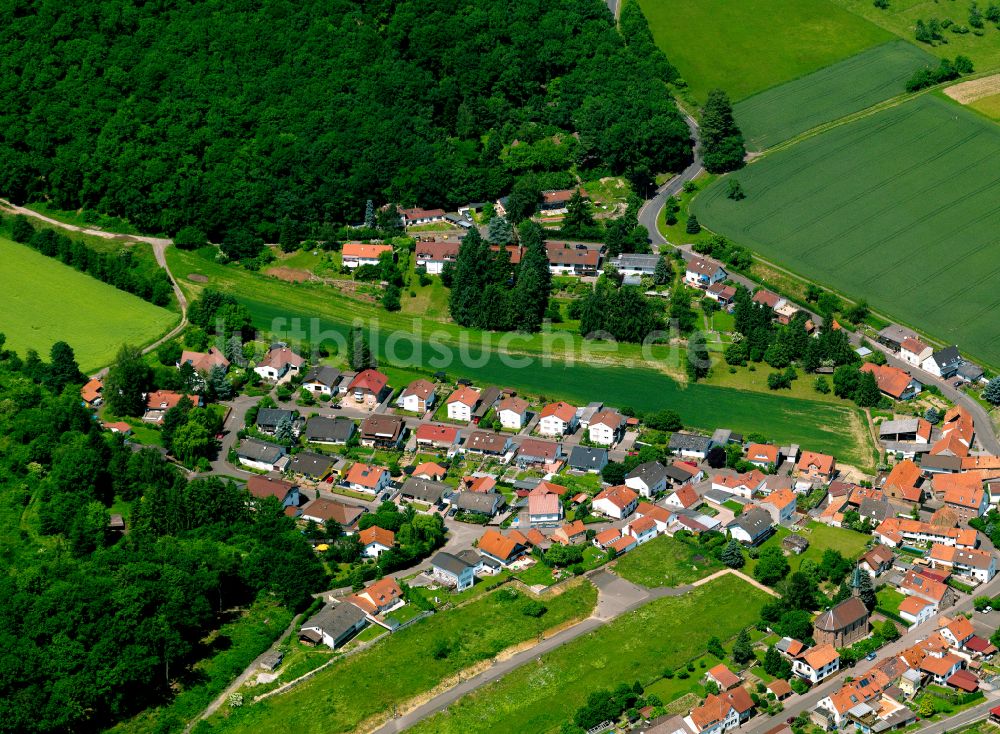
x=970, y=91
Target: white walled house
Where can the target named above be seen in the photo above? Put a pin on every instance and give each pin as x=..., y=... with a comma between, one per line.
x=557, y=419
x=512, y=413
x=817, y=664
x=417, y=397
x=605, y=428
x=914, y=352
x=701, y=272
x=462, y=403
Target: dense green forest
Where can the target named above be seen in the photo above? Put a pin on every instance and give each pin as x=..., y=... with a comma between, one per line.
x=95, y=626
x=223, y=115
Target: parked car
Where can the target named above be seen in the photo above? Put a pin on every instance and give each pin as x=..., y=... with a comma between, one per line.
x=986, y=610
x=871, y=656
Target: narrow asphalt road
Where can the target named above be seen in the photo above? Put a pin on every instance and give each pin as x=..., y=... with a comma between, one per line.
x=650, y=211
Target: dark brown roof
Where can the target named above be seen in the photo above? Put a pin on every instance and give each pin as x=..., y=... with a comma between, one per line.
x=842, y=616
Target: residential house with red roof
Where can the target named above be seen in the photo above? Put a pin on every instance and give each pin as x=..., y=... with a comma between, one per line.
x=355, y=254
x=721, y=712
x=962, y=493
x=914, y=352
x=368, y=478
x=160, y=401
x=204, y=362
x=91, y=392
x=643, y=529
x=544, y=507
x=971, y=563
x=279, y=363
x=513, y=413
x=429, y=470
x=437, y=436
x=892, y=381
x=817, y=663
x=723, y=677
x=557, y=419
x=917, y=610
x=606, y=537
x=903, y=483
x=606, y=428
x=618, y=502
x=369, y=387
x=816, y=467
x=623, y=544
x=660, y=515
x=462, y=403
x=762, y=455
x=380, y=597
x=500, y=548
x=683, y=499
x=433, y=256
x=262, y=487
x=417, y=397
x=571, y=533
x=780, y=505
x=376, y=541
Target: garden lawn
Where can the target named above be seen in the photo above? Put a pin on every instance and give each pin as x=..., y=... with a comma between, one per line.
x=744, y=47
x=901, y=208
x=665, y=561
x=44, y=301
x=549, y=365
x=889, y=599
x=402, y=665
x=638, y=646
x=851, y=85
x=821, y=537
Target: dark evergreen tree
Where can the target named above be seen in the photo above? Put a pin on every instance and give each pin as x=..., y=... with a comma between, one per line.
x=664, y=272
x=63, y=369
x=721, y=139
x=732, y=555
x=127, y=381
x=534, y=280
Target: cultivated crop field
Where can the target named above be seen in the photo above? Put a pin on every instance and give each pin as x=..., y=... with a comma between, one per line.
x=638, y=646
x=274, y=304
x=44, y=301
x=851, y=85
x=747, y=46
x=901, y=207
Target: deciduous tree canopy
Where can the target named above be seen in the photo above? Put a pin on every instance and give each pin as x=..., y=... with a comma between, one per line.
x=264, y=116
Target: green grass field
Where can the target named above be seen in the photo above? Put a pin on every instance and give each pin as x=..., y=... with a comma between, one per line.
x=665, y=561
x=747, y=46
x=902, y=15
x=989, y=106
x=402, y=666
x=901, y=208
x=848, y=86
x=44, y=301
x=552, y=365
x=639, y=646
x=821, y=537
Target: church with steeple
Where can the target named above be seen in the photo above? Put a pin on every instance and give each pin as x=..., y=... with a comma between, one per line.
x=845, y=623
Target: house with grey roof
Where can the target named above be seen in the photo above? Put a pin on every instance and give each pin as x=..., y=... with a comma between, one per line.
x=690, y=445
x=424, y=490
x=588, y=458
x=261, y=455
x=332, y=431
x=648, y=479
x=312, y=465
x=943, y=363
x=333, y=625
x=453, y=571
x=480, y=503
x=751, y=527
x=322, y=380
x=894, y=335
x=268, y=420
x=970, y=371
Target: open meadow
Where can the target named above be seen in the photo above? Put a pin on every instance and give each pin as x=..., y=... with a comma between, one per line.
x=542, y=368
x=902, y=15
x=666, y=561
x=851, y=85
x=408, y=663
x=44, y=301
x=636, y=647
x=748, y=46
x=901, y=208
